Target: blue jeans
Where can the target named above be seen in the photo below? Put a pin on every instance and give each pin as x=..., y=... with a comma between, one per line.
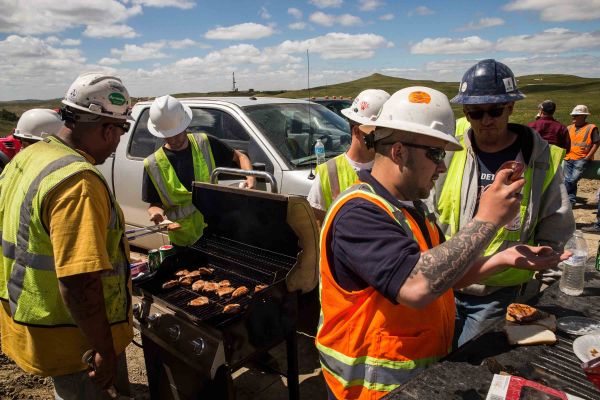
x=573, y=169
x=475, y=313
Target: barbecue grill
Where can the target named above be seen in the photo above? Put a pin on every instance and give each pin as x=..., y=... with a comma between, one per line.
x=251, y=238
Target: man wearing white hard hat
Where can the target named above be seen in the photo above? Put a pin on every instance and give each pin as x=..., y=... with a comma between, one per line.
x=386, y=275
x=185, y=157
x=36, y=124
x=338, y=173
x=584, y=143
x=65, y=287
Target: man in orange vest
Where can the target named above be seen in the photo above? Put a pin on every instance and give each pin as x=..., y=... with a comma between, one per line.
x=584, y=143
x=386, y=277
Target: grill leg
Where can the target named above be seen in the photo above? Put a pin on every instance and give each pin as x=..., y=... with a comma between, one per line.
x=291, y=342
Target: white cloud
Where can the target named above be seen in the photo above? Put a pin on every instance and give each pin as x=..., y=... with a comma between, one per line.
x=445, y=45
x=38, y=17
x=297, y=26
x=369, y=5
x=387, y=17
x=550, y=41
x=326, y=3
x=106, y=31
x=294, y=12
x=264, y=13
x=71, y=42
x=182, y=4
x=421, y=10
x=108, y=61
x=146, y=51
x=323, y=19
x=339, y=45
x=248, y=30
x=481, y=24
x=558, y=10
x=185, y=43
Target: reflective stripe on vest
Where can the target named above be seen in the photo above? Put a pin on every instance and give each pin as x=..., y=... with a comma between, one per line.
x=176, y=199
x=449, y=206
x=27, y=271
x=581, y=141
x=367, y=345
x=336, y=175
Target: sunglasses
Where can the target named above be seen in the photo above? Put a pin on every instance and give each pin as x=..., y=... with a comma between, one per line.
x=124, y=125
x=478, y=114
x=435, y=154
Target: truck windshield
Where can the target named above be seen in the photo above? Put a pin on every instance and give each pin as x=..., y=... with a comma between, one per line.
x=294, y=129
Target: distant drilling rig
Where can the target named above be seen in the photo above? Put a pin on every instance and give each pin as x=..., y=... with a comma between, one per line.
x=233, y=87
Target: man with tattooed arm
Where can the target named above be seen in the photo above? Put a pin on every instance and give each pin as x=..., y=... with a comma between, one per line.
x=386, y=274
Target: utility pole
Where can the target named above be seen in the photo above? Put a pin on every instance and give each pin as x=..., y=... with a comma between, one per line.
x=233, y=88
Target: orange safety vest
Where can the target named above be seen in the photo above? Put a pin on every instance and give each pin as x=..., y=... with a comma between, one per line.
x=367, y=345
x=581, y=141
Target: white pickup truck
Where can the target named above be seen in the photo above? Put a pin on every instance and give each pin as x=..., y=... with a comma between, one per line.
x=277, y=134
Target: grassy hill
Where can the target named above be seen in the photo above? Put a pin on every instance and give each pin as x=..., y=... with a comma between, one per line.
x=566, y=90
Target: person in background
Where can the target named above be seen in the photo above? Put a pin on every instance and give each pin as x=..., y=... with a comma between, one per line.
x=36, y=124
x=584, y=143
x=488, y=91
x=550, y=129
x=338, y=173
x=65, y=286
x=386, y=277
x=185, y=157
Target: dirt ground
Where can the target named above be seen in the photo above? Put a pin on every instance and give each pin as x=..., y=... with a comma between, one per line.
x=16, y=384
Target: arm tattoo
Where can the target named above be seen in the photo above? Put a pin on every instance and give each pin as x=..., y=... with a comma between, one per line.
x=445, y=264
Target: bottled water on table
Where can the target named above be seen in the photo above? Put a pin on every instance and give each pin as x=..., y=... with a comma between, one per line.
x=572, y=279
x=320, y=152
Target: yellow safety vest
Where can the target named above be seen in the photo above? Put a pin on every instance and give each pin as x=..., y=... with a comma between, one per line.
x=28, y=279
x=336, y=175
x=174, y=195
x=449, y=210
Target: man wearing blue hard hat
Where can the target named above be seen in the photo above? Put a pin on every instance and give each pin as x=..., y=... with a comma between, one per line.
x=488, y=92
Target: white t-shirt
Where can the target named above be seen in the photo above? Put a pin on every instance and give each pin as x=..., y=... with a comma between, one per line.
x=315, y=196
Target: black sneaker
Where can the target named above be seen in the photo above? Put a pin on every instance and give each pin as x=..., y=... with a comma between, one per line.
x=591, y=229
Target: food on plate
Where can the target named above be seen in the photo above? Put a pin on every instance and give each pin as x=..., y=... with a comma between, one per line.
x=224, y=291
x=526, y=325
x=185, y=281
x=170, y=284
x=242, y=290
x=199, y=301
x=206, y=270
x=523, y=314
x=182, y=272
x=198, y=285
x=529, y=334
x=258, y=288
x=517, y=168
x=224, y=282
x=231, y=308
x=210, y=287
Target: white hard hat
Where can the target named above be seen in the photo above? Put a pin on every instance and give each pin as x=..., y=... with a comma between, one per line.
x=580, y=110
x=99, y=94
x=417, y=109
x=366, y=106
x=168, y=117
x=37, y=123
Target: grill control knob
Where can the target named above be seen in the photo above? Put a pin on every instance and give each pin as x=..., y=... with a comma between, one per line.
x=137, y=310
x=174, y=332
x=153, y=320
x=198, y=346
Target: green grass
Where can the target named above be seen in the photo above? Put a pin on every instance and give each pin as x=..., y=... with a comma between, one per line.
x=565, y=90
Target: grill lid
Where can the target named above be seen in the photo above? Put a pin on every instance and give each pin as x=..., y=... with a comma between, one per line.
x=279, y=223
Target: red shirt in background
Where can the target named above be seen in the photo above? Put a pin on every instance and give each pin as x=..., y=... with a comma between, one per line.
x=552, y=131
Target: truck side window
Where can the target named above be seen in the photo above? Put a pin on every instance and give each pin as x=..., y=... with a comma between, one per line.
x=222, y=125
x=142, y=142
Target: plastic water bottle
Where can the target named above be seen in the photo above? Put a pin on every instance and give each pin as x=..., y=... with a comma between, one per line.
x=320, y=152
x=572, y=279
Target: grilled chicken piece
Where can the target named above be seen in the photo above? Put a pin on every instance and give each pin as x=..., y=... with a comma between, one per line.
x=242, y=290
x=258, y=288
x=199, y=301
x=522, y=313
x=225, y=290
x=198, y=286
x=170, y=284
x=232, y=309
x=224, y=282
x=182, y=272
x=185, y=281
x=193, y=274
x=210, y=287
x=206, y=270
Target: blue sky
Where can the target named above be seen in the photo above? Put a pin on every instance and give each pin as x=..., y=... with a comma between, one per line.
x=172, y=46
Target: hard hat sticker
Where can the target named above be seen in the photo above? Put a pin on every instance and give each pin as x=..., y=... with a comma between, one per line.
x=364, y=105
x=419, y=97
x=72, y=94
x=509, y=84
x=117, y=99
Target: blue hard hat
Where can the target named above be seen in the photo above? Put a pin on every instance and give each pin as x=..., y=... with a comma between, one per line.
x=488, y=82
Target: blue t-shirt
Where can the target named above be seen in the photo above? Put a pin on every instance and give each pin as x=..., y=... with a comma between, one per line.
x=368, y=248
